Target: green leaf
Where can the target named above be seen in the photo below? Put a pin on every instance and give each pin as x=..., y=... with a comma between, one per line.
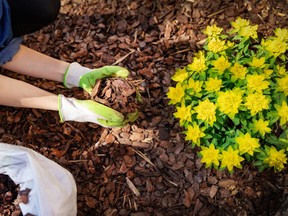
x=248, y=157
x=244, y=122
x=131, y=117
x=214, y=141
x=284, y=134
x=272, y=61
x=283, y=141
x=246, y=49
x=236, y=121
x=262, y=167
x=237, y=37
x=258, y=163
x=138, y=96
x=274, y=141
x=261, y=156
x=223, y=36
x=282, y=57
x=217, y=126
x=225, y=145
x=242, y=108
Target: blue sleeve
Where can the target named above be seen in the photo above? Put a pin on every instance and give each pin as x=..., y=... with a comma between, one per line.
x=9, y=46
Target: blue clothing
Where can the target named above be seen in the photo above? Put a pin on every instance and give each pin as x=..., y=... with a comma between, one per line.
x=9, y=45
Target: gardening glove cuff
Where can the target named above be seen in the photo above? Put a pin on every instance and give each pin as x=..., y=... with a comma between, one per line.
x=78, y=76
x=71, y=109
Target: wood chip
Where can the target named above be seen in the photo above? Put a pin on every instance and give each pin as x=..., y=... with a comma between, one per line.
x=132, y=187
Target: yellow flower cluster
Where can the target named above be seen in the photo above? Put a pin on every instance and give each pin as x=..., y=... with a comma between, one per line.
x=257, y=62
x=230, y=98
x=282, y=84
x=176, y=94
x=244, y=28
x=194, y=133
x=213, y=84
x=199, y=63
x=238, y=71
x=282, y=112
x=206, y=111
x=261, y=126
x=217, y=45
x=257, y=83
x=229, y=102
x=229, y=158
x=277, y=44
x=276, y=158
x=247, y=144
x=256, y=102
x=221, y=64
x=213, y=31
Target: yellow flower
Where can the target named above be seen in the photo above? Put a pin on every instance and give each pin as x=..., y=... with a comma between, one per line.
x=180, y=75
x=184, y=113
x=206, y=111
x=176, y=94
x=216, y=45
x=282, y=112
x=213, y=84
x=267, y=73
x=282, y=85
x=257, y=82
x=230, y=44
x=212, y=31
x=249, y=31
x=198, y=63
x=238, y=90
x=238, y=71
x=194, y=133
x=281, y=71
x=261, y=126
x=239, y=23
x=258, y=62
x=274, y=46
x=229, y=102
x=244, y=29
x=221, y=64
x=282, y=34
x=196, y=86
x=276, y=159
x=247, y=144
x=256, y=102
x=210, y=155
x=230, y=159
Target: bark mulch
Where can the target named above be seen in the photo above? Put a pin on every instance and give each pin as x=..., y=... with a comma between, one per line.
x=145, y=168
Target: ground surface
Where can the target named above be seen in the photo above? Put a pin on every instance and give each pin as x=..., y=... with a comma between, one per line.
x=151, y=39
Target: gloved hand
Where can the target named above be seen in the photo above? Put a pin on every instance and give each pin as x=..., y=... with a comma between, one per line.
x=71, y=109
x=79, y=76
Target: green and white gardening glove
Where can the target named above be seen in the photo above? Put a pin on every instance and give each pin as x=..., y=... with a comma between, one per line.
x=79, y=76
x=71, y=109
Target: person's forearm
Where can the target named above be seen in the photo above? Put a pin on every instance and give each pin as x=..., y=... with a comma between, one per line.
x=16, y=93
x=30, y=62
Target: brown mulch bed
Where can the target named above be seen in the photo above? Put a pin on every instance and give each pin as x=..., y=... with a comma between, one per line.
x=151, y=39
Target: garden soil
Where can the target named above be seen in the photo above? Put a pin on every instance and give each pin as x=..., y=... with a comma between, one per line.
x=146, y=167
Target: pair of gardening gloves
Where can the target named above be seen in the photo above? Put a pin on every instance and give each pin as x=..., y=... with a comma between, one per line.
x=71, y=109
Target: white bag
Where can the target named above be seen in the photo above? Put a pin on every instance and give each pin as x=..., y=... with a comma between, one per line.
x=53, y=188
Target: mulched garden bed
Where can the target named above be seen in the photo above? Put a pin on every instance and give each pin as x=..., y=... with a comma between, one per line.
x=145, y=168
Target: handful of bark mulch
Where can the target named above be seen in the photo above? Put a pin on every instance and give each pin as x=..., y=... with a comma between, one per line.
x=123, y=95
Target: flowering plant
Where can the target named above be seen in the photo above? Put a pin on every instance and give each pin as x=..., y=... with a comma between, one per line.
x=231, y=100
